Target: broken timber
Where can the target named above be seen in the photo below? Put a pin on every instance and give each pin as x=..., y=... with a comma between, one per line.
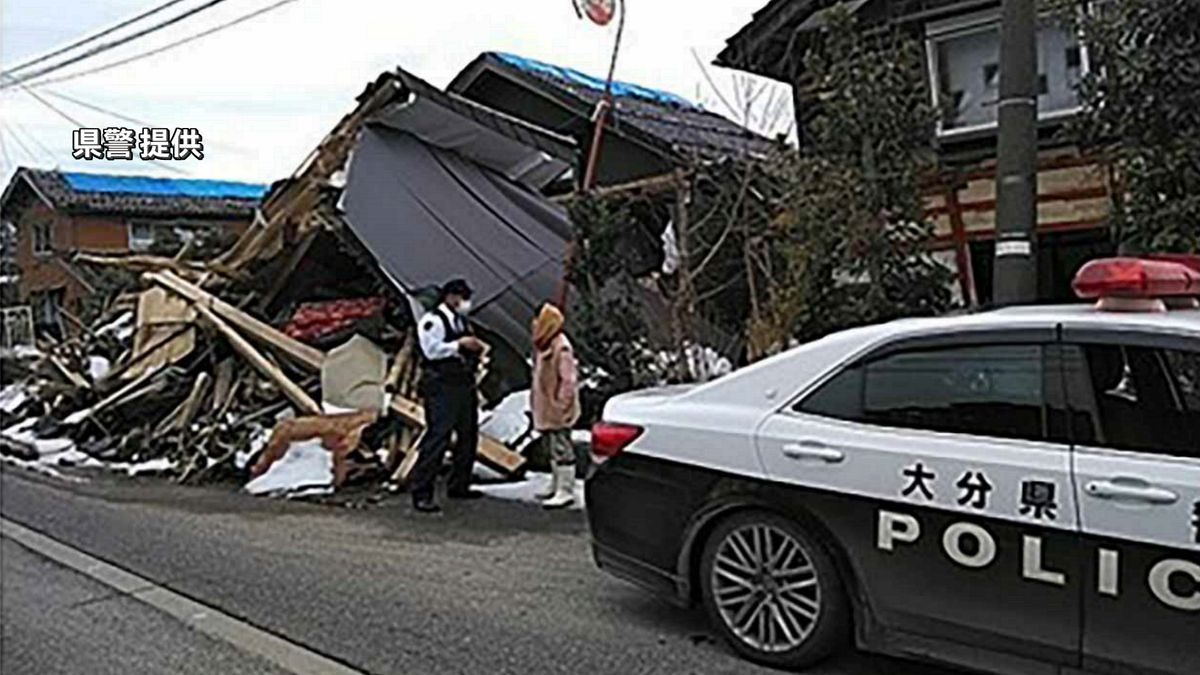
x=309, y=357
x=491, y=451
x=269, y=370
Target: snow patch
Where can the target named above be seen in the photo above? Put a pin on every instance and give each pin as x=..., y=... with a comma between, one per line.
x=98, y=367
x=510, y=422
x=121, y=327
x=306, y=466
x=12, y=397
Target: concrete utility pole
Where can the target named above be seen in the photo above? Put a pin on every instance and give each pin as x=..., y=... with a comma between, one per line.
x=1015, y=273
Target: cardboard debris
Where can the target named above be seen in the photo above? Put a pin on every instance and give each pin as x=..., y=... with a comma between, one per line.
x=353, y=375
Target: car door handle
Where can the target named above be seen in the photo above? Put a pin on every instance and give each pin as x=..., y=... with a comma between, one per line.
x=813, y=450
x=1124, y=491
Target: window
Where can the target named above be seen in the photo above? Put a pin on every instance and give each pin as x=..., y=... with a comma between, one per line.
x=141, y=236
x=964, y=55
x=165, y=238
x=984, y=390
x=1138, y=398
x=43, y=237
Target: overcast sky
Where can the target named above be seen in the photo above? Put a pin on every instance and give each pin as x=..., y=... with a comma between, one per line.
x=263, y=93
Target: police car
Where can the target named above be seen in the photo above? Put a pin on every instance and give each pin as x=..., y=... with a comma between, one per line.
x=1016, y=491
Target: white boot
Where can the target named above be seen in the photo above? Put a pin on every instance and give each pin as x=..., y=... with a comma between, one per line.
x=564, y=496
x=551, y=486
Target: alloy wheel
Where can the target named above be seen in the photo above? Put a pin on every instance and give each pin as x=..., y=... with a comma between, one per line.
x=765, y=587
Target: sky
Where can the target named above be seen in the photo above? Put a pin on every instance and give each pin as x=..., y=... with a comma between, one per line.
x=264, y=92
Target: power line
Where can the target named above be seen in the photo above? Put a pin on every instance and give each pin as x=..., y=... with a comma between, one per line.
x=96, y=108
x=4, y=151
x=33, y=137
x=24, y=148
x=133, y=120
x=43, y=101
x=97, y=36
x=79, y=125
x=159, y=50
x=114, y=43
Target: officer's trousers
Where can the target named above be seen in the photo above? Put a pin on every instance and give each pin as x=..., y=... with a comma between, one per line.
x=450, y=409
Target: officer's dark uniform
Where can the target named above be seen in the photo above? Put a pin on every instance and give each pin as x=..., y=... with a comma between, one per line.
x=451, y=406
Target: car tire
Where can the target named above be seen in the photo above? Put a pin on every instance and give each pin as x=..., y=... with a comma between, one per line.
x=773, y=592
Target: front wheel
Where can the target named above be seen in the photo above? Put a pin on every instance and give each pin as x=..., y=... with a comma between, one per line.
x=773, y=591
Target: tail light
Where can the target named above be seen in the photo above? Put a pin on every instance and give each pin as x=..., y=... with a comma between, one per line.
x=1117, y=281
x=610, y=438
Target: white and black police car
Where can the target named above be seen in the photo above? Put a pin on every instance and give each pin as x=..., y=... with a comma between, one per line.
x=1015, y=491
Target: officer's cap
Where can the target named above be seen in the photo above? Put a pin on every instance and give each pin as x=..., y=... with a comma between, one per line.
x=458, y=287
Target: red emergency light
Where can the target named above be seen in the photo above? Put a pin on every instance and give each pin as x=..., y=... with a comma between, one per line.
x=1139, y=284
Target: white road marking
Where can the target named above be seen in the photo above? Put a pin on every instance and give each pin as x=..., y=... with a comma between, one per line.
x=208, y=620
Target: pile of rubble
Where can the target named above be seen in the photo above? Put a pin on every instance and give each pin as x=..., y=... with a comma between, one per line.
x=293, y=349
x=176, y=380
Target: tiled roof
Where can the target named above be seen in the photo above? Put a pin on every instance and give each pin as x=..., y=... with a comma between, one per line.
x=663, y=119
x=143, y=196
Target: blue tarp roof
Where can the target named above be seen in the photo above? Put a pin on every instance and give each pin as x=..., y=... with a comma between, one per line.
x=168, y=187
x=577, y=77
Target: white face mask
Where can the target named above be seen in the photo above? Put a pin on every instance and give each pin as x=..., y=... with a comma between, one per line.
x=464, y=308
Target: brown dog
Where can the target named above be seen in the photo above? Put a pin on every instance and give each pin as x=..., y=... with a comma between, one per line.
x=339, y=435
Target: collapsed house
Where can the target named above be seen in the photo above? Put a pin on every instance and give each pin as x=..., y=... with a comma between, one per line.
x=318, y=298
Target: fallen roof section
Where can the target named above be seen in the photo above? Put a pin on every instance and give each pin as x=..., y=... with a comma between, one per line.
x=670, y=124
x=427, y=214
x=520, y=151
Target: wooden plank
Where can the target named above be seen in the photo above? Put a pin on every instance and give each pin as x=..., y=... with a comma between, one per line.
x=127, y=392
x=182, y=415
x=243, y=347
x=74, y=378
x=158, y=337
x=491, y=451
x=305, y=355
x=223, y=386
x=410, y=460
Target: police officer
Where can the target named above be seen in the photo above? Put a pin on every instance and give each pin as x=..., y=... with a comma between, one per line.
x=450, y=356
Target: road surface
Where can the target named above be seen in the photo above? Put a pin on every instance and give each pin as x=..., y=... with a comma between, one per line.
x=491, y=586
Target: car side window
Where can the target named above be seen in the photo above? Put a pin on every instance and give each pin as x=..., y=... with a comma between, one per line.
x=1140, y=398
x=984, y=390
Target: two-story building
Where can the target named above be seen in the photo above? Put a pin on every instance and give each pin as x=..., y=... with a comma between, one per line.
x=962, y=48
x=58, y=214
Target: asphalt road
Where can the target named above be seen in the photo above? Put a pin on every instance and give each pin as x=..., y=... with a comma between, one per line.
x=492, y=586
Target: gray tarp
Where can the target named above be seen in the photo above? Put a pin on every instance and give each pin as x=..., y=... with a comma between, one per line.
x=428, y=214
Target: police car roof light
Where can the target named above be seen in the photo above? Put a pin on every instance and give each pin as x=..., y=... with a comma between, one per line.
x=610, y=438
x=1136, y=284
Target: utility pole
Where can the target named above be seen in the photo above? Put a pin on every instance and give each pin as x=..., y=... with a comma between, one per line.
x=1015, y=272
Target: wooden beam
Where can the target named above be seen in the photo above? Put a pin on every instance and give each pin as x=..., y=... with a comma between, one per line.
x=264, y=333
x=658, y=183
x=179, y=418
x=290, y=389
x=491, y=451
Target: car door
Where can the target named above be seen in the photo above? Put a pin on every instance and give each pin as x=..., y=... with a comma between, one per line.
x=932, y=464
x=1136, y=400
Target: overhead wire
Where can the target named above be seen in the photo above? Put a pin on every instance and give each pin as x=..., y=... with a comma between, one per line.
x=33, y=137
x=163, y=48
x=8, y=163
x=98, y=49
x=80, y=125
x=20, y=143
x=96, y=36
x=133, y=120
